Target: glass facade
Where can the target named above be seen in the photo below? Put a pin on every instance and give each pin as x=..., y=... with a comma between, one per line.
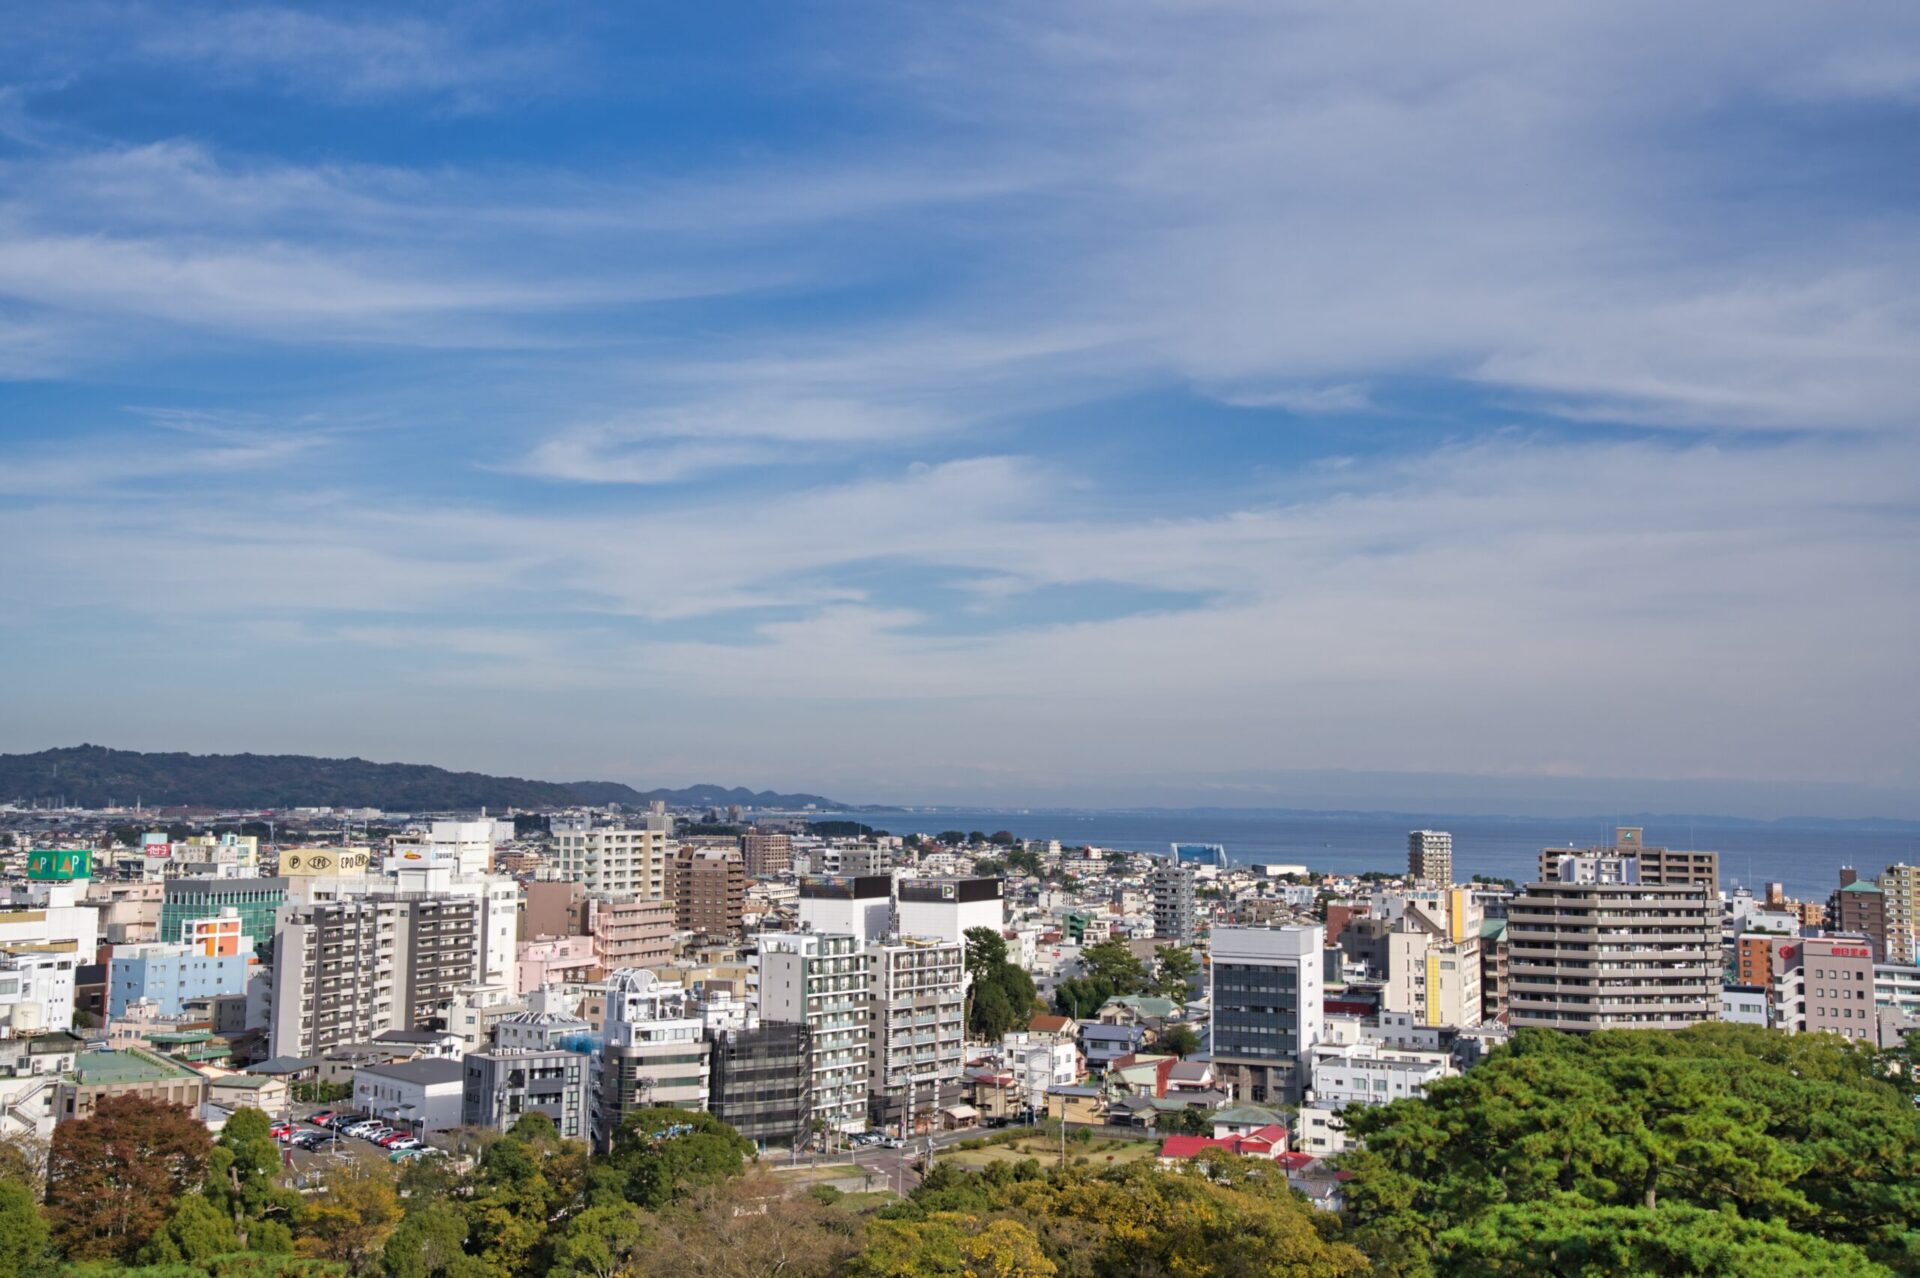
x=257, y=901
x=1256, y=1014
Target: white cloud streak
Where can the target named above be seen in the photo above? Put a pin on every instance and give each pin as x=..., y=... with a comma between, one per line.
x=1266, y=204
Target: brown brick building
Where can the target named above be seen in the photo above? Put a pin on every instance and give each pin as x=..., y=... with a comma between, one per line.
x=709, y=890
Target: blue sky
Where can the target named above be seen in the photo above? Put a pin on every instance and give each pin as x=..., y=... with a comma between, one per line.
x=1239, y=403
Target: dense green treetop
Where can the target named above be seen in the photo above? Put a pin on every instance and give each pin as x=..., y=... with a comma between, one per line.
x=1802, y=1131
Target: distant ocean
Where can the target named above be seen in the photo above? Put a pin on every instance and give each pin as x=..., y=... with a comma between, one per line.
x=1806, y=860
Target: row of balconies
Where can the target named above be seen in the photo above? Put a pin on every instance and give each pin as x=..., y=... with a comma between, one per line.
x=1663, y=971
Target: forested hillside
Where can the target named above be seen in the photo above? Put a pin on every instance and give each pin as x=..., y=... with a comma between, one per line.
x=95, y=776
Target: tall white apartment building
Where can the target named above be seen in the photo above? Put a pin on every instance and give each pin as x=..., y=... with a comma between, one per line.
x=629, y=861
x=822, y=982
x=333, y=978
x=1430, y=857
x=496, y=901
x=918, y=1046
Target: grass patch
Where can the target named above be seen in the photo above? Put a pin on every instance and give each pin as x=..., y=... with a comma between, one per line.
x=819, y=1175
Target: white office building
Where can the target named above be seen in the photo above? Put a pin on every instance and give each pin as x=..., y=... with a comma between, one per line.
x=947, y=909
x=1268, y=998
x=860, y=906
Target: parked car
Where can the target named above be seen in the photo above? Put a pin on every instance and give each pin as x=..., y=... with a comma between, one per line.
x=307, y=1140
x=280, y=1131
x=363, y=1129
x=322, y=1118
x=406, y=1143
x=393, y=1138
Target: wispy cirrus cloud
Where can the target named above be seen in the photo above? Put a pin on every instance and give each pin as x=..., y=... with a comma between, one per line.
x=1218, y=385
x=340, y=54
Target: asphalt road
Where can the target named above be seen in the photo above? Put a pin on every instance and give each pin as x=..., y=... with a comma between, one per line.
x=893, y=1166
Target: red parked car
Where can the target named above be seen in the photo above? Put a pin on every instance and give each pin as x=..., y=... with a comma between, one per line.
x=280, y=1131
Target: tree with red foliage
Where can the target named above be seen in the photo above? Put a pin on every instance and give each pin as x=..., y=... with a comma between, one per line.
x=113, y=1178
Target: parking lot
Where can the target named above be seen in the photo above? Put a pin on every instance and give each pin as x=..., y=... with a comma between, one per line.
x=311, y=1159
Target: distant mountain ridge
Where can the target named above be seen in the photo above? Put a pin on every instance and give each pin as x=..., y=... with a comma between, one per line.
x=95, y=776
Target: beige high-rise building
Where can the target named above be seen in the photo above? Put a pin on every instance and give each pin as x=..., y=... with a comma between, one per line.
x=1589, y=956
x=1433, y=960
x=615, y=861
x=919, y=1030
x=1900, y=895
x=631, y=933
x=767, y=853
x=1430, y=857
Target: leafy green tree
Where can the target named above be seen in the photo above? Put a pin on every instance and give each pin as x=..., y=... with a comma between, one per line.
x=1523, y=1240
x=113, y=1178
x=1180, y=1040
x=23, y=1158
x=1107, y=969
x=194, y=1234
x=24, y=1235
x=350, y=1223
x=949, y=1245
x=1113, y=963
x=1794, y=1129
x=428, y=1243
x=1023, y=861
x=665, y=1154
x=241, y=1171
x=601, y=1242
x=991, y=1014
x=1127, y=1223
x=1174, y=971
x=986, y=950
